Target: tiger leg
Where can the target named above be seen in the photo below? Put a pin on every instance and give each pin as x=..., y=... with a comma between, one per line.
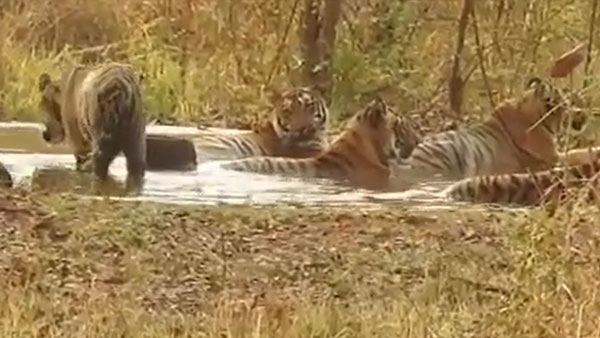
x=134, y=149
x=83, y=161
x=105, y=149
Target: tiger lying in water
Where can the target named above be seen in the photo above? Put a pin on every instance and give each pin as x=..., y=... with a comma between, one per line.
x=529, y=189
x=526, y=189
x=297, y=128
x=359, y=155
x=519, y=136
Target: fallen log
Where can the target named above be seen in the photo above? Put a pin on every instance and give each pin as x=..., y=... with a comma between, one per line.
x=166, y=152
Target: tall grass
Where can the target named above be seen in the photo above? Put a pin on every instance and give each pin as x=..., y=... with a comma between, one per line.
x=215, y=62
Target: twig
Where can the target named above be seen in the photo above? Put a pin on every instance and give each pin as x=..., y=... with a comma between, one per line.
x=481, y=60
x=591, y=32
x=483, y=286
x=282, y=42
x=9, y=209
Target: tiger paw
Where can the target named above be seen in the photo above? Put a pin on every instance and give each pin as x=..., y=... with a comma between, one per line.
x=83, y=163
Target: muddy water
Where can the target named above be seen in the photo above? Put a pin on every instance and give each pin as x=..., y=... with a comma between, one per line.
x=32, y=162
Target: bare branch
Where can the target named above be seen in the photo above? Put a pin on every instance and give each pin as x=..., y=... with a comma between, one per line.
x=591, y=33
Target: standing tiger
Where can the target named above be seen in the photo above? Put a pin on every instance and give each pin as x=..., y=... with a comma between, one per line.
x=297, y=128
x=98, y=109
x=519, y=136
x=523, y=188
x=359, y=155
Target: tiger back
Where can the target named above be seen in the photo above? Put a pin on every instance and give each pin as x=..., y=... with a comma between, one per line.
x=297, y=128
x=526, y=189
x=519, y=136
x=578, y=166
x=359, y=156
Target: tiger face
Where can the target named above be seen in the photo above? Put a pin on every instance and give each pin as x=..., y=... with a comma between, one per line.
x=380, y=125
x=300, y=115
x=560, y=108
x=50, y=105
x=406, y=136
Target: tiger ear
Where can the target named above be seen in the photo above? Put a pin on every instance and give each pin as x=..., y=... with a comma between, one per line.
x=566, y=63
x=537, y=141
x=43, y=81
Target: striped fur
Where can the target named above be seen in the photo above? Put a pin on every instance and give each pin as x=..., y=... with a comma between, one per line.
x=519, y=136
x=98, y=109
x=297, y=128
x=543, y=187
x=359, y=156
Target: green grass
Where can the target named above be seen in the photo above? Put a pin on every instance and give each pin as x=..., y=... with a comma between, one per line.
x=103, y=269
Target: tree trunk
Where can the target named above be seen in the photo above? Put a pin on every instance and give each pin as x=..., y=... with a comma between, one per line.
x=456, y=83
x=318, y=32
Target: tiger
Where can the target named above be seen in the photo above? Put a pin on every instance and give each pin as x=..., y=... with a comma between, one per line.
x=547, y=187
x=98, y=109
x=297, y=128
x=358, y=156
x=519, y=136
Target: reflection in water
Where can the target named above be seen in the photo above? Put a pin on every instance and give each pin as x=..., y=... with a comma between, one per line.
x=32, y=162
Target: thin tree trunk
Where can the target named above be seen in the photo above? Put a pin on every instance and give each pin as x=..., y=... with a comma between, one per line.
x=332, y=14
x=456, y=83
x=318, y=37
x=311, y=26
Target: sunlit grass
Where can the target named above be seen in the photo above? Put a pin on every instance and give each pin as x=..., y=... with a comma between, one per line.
x=215, y=63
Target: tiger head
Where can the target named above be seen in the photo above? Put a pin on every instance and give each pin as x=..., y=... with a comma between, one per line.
x=300, y=116
x=551, y=107
x=406, y=136
x=50, y=105
x=378, y=125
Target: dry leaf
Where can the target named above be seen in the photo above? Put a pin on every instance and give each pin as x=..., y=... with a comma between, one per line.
x=565, y=64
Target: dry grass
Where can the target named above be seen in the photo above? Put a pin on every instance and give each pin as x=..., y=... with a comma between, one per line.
x=215, y=62
x=103, y=269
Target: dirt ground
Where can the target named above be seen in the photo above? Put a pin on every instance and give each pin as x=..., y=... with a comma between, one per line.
x=74, y=265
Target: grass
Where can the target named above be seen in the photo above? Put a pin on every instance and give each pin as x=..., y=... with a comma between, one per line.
x=214, y=62
x=74, y=267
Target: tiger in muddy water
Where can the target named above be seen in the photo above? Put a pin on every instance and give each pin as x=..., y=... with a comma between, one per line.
x=98, y=109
